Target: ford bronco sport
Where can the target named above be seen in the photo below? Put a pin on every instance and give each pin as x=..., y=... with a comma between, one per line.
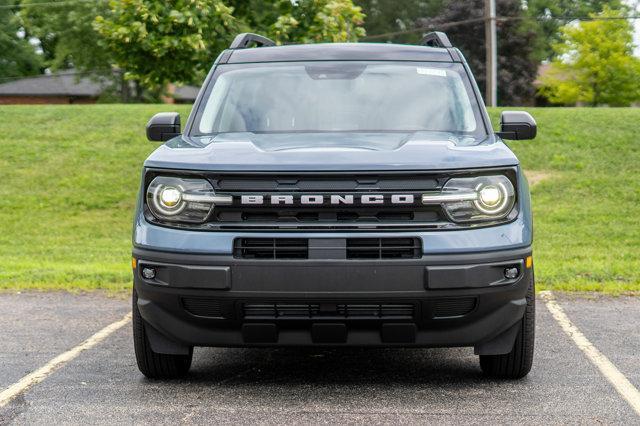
x=335, y=195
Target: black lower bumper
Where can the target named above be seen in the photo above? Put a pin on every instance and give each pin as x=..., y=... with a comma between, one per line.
x=434, y=301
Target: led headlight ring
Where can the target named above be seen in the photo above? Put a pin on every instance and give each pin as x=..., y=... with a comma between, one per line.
x=500, y=203
x=159, y=200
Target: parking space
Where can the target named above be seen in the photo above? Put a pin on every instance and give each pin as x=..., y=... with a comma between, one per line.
x=244, y=386
x=613, y=326
x=38, y=326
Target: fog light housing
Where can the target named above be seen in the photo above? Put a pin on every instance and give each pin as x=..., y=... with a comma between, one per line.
x=511, y=273
x=148, y=273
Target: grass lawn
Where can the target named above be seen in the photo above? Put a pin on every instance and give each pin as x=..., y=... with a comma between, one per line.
x=70, y=176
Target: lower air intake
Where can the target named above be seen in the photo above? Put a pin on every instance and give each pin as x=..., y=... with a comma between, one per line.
x=335, y=248
x=383, y=248
x=271, y=248
x=327, y=310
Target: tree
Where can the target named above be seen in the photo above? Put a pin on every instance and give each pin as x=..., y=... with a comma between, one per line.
x=300, y=21
x=594, y=63
x=162, y=42
x=67, y=39
x=552, y=14
x=18, y=57
x=66, y=34
x=395, y=20
x=517, y=66
x=310, y=21
x=258, y=15
x=158, y=43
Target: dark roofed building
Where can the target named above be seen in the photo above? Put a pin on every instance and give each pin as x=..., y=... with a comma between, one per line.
x=66, y=87
x=70, y=87
x=185, y=94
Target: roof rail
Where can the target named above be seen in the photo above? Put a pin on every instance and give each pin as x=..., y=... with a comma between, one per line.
x=242, y=41
x=436, y=39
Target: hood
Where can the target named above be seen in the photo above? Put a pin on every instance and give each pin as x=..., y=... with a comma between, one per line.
x=331, y=152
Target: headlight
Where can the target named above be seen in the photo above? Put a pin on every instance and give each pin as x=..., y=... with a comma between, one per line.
x=176, y=199
x=482, y=198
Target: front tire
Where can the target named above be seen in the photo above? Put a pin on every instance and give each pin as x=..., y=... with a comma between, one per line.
x=152, y=364
x=517, y=363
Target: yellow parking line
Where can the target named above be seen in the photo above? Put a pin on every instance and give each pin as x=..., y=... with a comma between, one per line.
x=624, y=387
x=43, y=372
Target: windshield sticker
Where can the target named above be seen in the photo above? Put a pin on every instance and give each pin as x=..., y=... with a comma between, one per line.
x=431, y=71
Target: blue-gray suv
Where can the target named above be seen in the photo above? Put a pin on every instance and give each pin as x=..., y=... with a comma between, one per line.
x=335, y=195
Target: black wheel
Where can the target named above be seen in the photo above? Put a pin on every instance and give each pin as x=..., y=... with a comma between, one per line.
x=152, y=364
x=517, y=363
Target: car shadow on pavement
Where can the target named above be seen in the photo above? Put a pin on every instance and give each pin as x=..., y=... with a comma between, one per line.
x=336, y=366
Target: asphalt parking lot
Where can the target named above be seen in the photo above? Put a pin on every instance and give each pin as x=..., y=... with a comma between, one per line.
x=249, y=386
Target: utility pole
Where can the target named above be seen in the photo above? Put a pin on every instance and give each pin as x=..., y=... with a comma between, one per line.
x=490, y=42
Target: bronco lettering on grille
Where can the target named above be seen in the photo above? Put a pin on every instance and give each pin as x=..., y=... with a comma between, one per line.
x=334, y=200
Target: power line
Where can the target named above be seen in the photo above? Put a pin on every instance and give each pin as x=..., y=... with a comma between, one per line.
x=443, y=25
x=438, y=25
x=44, y=4
x=570, y=18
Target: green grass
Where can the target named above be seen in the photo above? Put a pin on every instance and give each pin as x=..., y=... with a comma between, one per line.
x=587, y=217
x=69, y=177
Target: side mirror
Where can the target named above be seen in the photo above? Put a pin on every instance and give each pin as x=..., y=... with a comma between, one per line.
x=163, y=126
x=517, y=125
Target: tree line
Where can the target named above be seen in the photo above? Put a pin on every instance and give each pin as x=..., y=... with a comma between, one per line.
x=143, y=45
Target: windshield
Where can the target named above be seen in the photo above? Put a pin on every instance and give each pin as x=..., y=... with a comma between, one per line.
x=339, y=97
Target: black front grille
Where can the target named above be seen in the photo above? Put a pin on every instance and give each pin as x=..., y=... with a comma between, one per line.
x=326, y=216
x=454, y=307
x=336, y=248
x=271, y=248
x=327, y=311
x=237, y=217
x=326, y=182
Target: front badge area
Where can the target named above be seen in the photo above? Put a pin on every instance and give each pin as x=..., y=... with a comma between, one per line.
x=329, y=200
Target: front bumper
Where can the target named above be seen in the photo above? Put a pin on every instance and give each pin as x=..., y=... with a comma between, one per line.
x=437, y=300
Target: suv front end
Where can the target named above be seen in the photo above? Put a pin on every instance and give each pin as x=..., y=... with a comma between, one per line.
x=252, y=231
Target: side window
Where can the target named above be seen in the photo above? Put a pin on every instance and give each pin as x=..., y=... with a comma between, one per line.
x=463, y=112
x=214, y=104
